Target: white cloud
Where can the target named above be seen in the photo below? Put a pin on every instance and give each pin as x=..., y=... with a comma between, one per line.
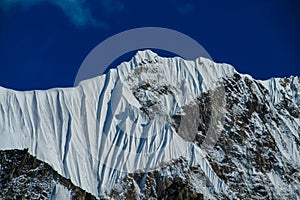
x=76, y=10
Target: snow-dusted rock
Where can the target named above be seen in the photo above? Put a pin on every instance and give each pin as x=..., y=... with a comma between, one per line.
x=123, y=122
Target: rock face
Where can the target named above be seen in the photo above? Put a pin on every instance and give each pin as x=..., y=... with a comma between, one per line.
x=256, y=154
x=171, y=181
x=161, y=128
x=22, y=176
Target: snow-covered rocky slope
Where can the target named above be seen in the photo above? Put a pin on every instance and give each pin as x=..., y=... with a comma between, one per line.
x=22, y=176
x=225, y=135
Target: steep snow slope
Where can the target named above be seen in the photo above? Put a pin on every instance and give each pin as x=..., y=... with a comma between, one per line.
x=96, y=133
x=191, y=126
x=256, y=154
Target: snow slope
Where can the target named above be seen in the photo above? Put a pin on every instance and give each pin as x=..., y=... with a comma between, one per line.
x=60, y=192
x=96, y=133
x=121, y=122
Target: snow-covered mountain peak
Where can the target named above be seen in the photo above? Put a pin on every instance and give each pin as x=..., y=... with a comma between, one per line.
x=112, y=124
x=148, y=65
x=153, y=112
x=145, y=56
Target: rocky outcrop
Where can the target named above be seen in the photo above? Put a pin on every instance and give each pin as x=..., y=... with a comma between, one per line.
x=22, y=176
x=255, y=154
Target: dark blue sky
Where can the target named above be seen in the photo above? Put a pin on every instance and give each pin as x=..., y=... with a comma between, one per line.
x=42, y=45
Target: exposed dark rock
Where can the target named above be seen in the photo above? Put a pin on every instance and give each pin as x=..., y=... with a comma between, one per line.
x=171, y=181
x=246, y=152
x=22, y=176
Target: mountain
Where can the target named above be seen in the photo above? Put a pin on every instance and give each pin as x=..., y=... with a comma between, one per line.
x=164, y=128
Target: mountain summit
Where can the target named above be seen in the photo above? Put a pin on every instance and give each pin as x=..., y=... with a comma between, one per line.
x=164, y=128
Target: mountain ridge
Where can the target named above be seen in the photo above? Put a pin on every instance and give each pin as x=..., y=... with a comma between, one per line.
x=110, y=126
